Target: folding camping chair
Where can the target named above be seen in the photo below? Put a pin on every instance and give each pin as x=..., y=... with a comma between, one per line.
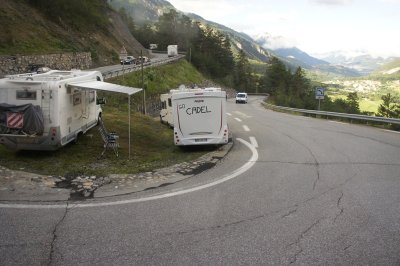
x=110, y=139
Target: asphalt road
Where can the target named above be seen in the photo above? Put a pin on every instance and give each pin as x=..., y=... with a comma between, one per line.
x=155, y=58
x=293, y=190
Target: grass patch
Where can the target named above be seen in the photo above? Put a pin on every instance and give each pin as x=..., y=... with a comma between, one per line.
x=151, y=142
x=161, y=79
x=366, y=104
x=151, y=147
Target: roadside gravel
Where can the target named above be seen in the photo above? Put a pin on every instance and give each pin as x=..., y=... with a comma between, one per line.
x=23, y=186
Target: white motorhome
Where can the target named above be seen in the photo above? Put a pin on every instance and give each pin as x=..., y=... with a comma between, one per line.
x=197, y=115
x=166, y=109
x=172, y=50
x=47, y=111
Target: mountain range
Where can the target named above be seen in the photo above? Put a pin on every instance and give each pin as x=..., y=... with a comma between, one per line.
x=361, y=61
x=348, y=63
x=262, y=47
x=22, y=36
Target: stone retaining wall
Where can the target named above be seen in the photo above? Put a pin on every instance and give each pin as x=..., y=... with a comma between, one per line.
x=16, y=64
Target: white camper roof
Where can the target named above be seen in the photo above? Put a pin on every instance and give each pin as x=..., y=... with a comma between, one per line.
x=104, y=86
x=183, y=88
x=52, y=75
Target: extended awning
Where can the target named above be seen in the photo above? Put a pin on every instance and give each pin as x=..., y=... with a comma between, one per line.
x=104, y=86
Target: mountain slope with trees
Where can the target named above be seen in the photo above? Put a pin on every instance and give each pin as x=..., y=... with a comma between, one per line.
x=206, y=48
x=145, y=13
x=389, y=70
x=64, y=26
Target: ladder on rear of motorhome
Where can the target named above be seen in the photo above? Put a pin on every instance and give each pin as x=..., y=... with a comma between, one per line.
x=47, y=96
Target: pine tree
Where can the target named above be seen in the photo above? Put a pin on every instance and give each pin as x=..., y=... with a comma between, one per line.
x=389, y=107
x=276, y=77
x=299, y=84
x=242, y=72
x=353, y=106
x=167, y=28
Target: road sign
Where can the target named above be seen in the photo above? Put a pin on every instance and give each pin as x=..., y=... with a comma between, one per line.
x=320, y=93
x=123, y=53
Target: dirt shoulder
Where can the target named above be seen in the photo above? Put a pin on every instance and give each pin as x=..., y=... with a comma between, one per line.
x=28, y=187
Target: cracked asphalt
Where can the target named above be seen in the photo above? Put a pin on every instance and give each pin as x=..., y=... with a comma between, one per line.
x=320, y=193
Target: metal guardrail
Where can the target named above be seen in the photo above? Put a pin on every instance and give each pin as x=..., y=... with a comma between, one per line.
x=132, y=68
x=378, y=119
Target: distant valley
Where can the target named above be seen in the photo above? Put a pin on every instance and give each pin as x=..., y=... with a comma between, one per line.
x=262, y=47
x=360, y=61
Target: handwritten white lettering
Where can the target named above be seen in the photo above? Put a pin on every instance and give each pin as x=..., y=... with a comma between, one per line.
x=197, y=110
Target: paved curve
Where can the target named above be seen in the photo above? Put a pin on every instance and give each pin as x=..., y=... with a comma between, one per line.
x=319, y=192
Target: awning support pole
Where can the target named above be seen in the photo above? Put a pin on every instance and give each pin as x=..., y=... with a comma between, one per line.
x=129, y=130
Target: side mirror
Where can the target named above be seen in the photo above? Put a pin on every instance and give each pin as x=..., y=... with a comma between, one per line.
x=101, y=101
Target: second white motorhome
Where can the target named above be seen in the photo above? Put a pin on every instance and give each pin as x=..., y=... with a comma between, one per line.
x=197, y=115
x=166, y=109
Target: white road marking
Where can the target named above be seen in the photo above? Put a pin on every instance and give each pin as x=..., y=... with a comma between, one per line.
x=229, y=114
x=238, y=119
x=242, y=114
x=246, y=128
x=253, y=142
x=338, y=122
x=250, y=163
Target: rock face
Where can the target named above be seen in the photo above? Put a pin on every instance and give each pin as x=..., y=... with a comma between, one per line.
x=25, y=63
x=60, y=44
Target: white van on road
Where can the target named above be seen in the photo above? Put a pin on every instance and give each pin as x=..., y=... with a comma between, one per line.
x=241, y=97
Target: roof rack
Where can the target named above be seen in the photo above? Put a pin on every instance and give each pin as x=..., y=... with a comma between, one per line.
x=52, y=75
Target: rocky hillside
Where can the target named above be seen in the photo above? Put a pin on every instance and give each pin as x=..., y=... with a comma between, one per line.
x=142, y=11
x=148, y=11
x=64, y=26
x=391, y=69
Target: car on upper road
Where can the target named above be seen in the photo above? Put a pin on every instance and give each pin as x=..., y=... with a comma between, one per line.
x=141, y=59
x=241, y=97
x=128, y=60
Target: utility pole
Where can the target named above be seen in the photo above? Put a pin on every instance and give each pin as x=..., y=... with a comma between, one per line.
x=123, y=72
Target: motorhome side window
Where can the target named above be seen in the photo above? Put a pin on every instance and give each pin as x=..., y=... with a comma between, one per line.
x=91, y=97
x=169, y=102
x=26, y=95
x=77, y=98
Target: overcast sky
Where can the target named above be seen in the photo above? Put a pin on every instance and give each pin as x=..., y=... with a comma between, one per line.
x=314, y=26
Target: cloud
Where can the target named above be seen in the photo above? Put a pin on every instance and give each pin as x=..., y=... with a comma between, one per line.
x=332, y=2
x=268, y=41
x=390, y=1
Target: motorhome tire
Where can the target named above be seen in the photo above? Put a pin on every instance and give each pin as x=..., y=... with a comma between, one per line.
x=78, y=136
x=98, y=119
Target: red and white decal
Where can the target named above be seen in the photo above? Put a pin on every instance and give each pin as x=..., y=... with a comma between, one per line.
x=15, y=120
